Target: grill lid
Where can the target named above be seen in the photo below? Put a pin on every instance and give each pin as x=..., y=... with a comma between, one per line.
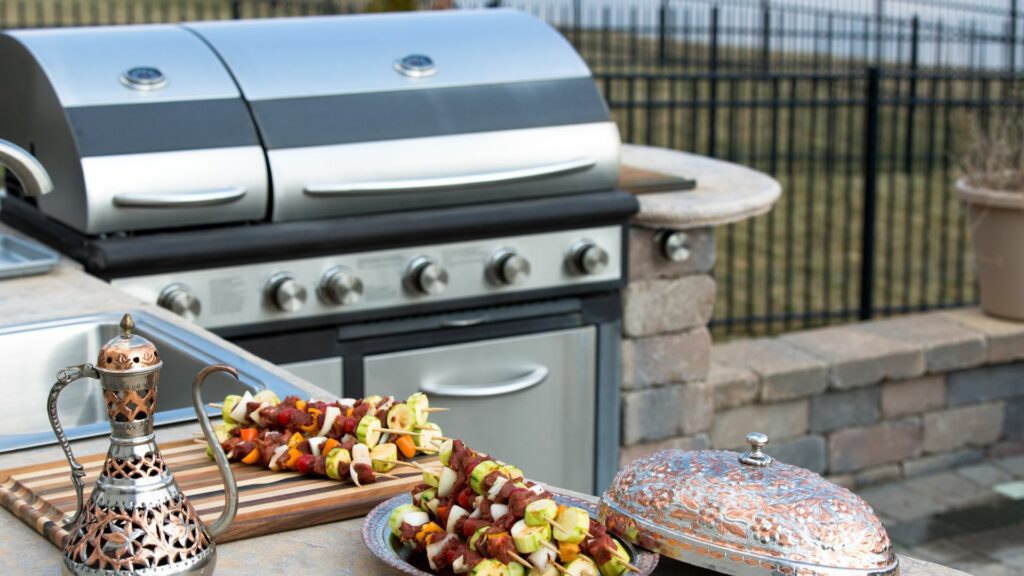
x=375, y=113
x=139, y=127
x=746, y=515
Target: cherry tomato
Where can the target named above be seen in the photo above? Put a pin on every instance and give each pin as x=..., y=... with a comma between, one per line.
x=466, y=498
x=305, y=463
x=350, y=425
x=284, y=416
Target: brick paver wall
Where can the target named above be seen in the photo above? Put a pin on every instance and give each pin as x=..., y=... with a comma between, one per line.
x=861, y=403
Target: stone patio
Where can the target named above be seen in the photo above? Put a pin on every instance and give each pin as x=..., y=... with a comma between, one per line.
x=970, y=518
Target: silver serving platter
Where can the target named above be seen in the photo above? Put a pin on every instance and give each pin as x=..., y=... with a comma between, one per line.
x=20, y=257
x=378, y=538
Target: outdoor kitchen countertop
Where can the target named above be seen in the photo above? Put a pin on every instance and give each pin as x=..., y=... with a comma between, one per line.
x=725, y=192
x=68, y=291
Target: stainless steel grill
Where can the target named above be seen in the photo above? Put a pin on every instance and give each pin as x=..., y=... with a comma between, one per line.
x=148, y=127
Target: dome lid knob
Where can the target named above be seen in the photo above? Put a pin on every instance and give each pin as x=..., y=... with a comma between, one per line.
x=128, y=352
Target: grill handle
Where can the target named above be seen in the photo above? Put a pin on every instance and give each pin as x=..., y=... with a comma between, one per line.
x=446, y=182
x=33, y=177
x=518, y=384
x=181, y=199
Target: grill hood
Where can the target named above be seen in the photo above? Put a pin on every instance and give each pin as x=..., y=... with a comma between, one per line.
x=127, y=149
x=306, y=117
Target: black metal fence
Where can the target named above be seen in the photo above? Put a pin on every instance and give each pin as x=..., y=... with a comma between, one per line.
x=861, y=112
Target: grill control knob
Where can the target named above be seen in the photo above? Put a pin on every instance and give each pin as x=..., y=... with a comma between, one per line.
x=586, y=257
x=340, y=286
x=426, y=276
x=508, y=267
x=181, y=300
x=285, y=292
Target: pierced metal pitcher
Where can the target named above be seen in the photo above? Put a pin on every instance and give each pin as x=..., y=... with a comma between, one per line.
x=137, y=520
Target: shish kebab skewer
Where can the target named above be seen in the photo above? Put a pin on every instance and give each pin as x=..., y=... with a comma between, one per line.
x=338, y=440
x=511, y=518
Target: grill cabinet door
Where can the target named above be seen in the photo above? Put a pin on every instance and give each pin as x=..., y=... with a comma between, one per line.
x=527, y=400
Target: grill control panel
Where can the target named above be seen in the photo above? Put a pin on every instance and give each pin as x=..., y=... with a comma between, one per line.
x=329, y=285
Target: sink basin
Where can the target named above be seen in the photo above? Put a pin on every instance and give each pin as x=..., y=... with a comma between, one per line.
x=31, y=355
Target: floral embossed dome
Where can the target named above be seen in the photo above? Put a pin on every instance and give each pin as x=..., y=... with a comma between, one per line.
x=710, y=509
x=127, y=352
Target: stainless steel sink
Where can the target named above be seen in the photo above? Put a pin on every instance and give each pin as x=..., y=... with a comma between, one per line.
x=32, y=354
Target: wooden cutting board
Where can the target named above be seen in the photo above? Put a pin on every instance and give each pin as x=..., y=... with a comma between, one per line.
x=268, y=502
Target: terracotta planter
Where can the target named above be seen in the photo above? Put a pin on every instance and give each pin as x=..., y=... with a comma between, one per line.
x=996, y=223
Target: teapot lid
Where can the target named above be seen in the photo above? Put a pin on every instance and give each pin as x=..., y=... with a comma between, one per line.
x=745, y=514
x=128, y=352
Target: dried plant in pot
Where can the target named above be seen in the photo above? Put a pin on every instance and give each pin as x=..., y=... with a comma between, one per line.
x=992, y=186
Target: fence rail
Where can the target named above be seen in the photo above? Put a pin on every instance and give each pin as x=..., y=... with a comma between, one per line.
x=860, y=113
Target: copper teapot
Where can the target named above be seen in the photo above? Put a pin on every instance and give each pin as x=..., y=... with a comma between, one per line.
x=137, y=520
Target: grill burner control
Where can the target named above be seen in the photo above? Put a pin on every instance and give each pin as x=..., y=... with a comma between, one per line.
x=426, y=276
x=507, y=267
x=340, y=286
x=487, y=271
x=285, y=293
x=586, y=258
x=181, y=300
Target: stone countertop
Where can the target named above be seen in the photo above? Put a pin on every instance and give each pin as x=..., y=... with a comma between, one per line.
x=725, y=192
x=68, y=291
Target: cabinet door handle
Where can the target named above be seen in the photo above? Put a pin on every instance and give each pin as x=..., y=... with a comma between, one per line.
x=517, y=384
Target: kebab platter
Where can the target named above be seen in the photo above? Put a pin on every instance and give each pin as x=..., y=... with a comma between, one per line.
x=480, y=516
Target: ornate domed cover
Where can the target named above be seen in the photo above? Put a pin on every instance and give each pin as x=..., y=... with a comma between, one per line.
x=127, y=352
x=745, y=514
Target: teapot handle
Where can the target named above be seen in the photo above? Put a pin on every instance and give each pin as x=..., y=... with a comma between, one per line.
x=65, y=377
x=230, y=488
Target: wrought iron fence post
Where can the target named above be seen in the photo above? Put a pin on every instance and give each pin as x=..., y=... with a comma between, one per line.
x=662, y=31
x=236, y=9
x=1012, y=36
x=908, y=142
x=867, y=255
x=766, y=37
x=577, y=15
x=713, y=96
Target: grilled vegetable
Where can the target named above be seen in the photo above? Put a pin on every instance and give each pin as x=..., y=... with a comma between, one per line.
x=541, y=512
x=395, y=519
x=382, y=452
x=446, y=482
x=425, y=436
x=529, y=539
x=230, y=401
x=406, y=446
x=616, y=566
x=576, y=523
x=400, y=417
x=476, y=477
x=336, y=456
x=490, y=567
x=445, y=452
x=239, y=410
x=419, y=404
x=581, y=566
x=368, y=430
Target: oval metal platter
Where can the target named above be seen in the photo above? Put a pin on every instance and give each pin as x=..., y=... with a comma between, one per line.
x=379, y=540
